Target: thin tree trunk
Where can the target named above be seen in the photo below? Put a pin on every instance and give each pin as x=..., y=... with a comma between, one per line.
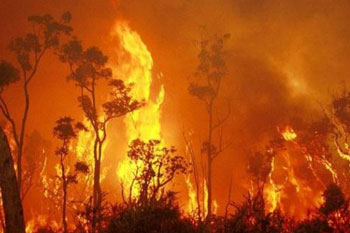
x=13, y=210
x=21, y=139
x=209, y=160
x=97, y=197
x=64, y=203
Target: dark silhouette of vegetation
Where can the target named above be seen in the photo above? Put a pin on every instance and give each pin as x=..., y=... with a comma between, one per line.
x=162, y=216
x=66, y=132
x=156, y=166
x=29, y=51
x=88, y=67
x=10, y=194
x=206, y=87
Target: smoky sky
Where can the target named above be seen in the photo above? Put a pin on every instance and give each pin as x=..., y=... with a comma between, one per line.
x=282, y=57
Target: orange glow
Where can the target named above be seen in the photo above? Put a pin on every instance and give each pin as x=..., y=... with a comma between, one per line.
x=137, y=71
x=288, y=133
x=270, y=92
x=272, y=191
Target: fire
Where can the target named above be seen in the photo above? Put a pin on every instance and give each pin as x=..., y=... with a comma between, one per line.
x=192, y=202
x=41, y=221
x=288, y=133
x=215, y=207
x=288, y=190
x=272, y=191
x=136, y=67
x=205, y=202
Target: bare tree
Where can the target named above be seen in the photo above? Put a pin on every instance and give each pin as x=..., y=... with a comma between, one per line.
x=29, y=51
x=206, y=87
x=88, y=67
x=14, y=221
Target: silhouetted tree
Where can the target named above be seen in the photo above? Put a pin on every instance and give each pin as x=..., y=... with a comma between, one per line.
x=156, y=166
x=335, y=209
x=66, y=132
x=88, y=67
x=206, y=87
x=35, y=149
x=14, y=221
x=259, y=165
x=29, y=51
x=251, y=217
x=334, y=199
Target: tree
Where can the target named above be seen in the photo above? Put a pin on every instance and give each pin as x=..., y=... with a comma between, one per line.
x=334, y=199
x=88, y=67
x=206, y=86
x=10, y=193
x=156, y=166
x=29, y=50
x=66, y=132
x=35, y=148
x=259, y=166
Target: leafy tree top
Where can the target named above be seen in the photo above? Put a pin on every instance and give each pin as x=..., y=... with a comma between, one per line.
x=8, y=74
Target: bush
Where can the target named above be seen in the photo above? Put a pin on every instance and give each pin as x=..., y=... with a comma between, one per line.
x=162, y=216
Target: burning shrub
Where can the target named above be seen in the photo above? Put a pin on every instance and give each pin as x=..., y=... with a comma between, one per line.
x=156, y=166
x=250, y=216
x=334, y=199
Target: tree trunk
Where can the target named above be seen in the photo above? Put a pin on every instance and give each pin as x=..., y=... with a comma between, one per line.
x=96, y=198
x=209, y=160
x=13, y=210
x=64, y=203
x=64, y=218
x=21, y=139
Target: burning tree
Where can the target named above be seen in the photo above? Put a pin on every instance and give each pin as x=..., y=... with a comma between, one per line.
x=29, y=51
x=156, y=166
x=88, y=67
x=66, y=132
x=206, y=87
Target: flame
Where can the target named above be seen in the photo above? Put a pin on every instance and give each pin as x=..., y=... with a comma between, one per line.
x=136, y=67
x=41, y=221
x=192, y=202
x=288, y=133
x=215, y=207
x=205, y=201
x=272, y=191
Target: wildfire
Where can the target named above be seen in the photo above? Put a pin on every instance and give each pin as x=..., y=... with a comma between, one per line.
x=272, y=191
x=135, y=66
x=288, y=133
x=39, y=222
x=192, y=202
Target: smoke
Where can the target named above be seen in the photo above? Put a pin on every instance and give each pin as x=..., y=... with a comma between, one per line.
x=284, y=57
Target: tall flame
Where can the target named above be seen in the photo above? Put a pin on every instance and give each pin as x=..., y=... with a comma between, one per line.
x=136, y=67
